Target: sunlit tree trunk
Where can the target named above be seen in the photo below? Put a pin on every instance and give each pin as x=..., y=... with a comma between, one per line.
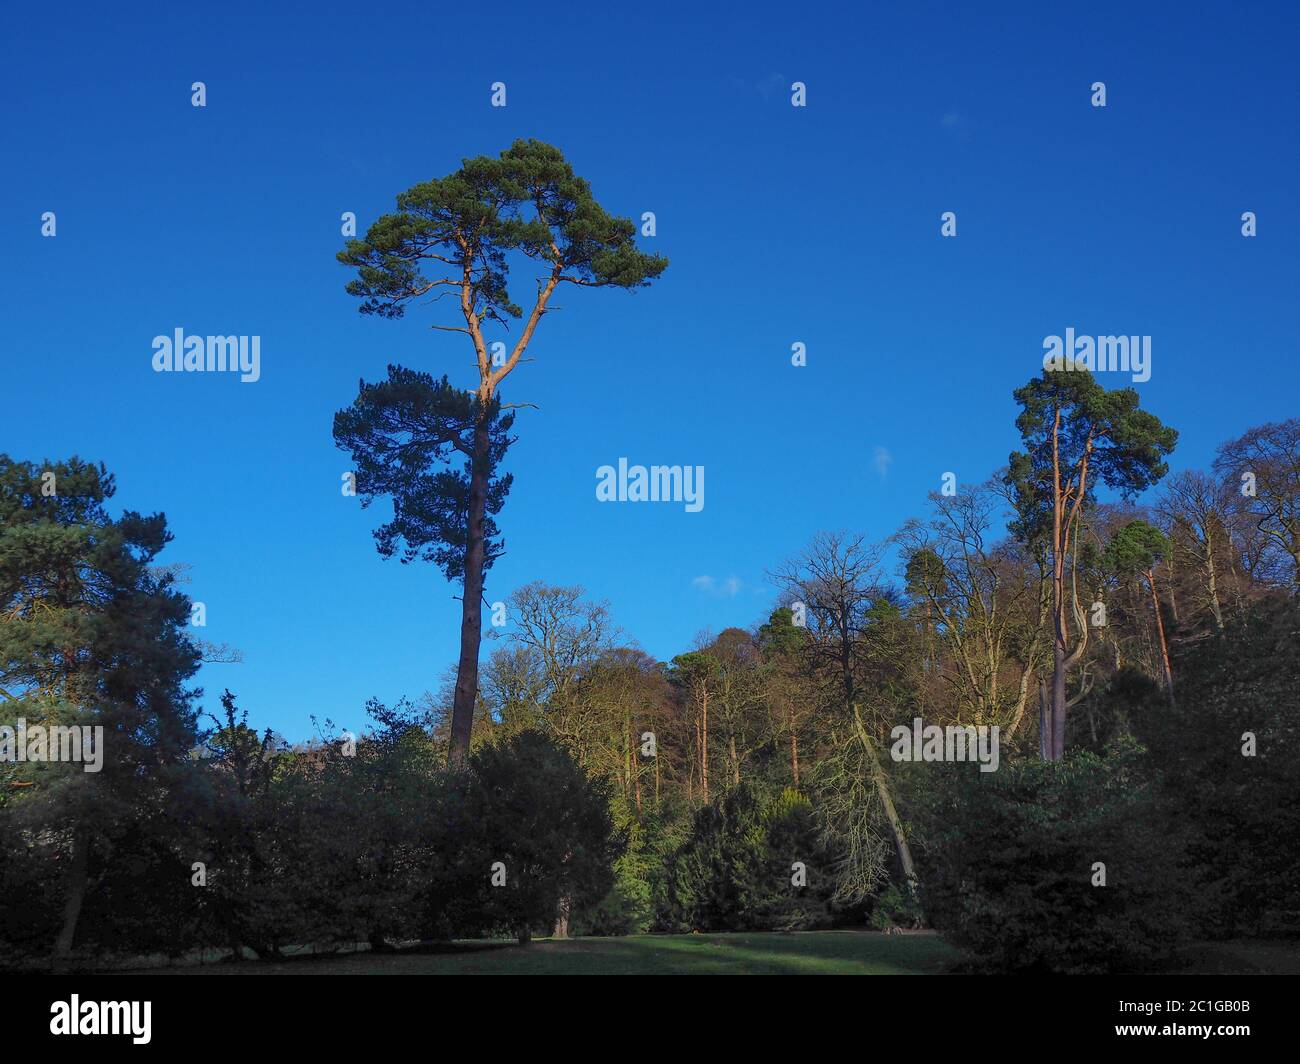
x=1160, y=632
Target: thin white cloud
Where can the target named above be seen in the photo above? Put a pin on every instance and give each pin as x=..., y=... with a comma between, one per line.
x=728, y=588
x=881, y=460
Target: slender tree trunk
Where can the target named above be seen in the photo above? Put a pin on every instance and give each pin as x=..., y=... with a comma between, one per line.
x=1057, y=745
x=694, y=764
x=1065, y=532
x=629, y=755
x=704, y=748
x=1059, y=534
x=636, y=769
x=562, y=917
x=75, y=895
x=1212, y=584
x=471, y=623
x=1160, y=631
x=1044, y=722
x=1022, y=700
x=886, y=799
x=794, y=749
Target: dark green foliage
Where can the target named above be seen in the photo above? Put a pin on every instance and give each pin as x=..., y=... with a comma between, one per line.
x=895, y=907
x=1108, y=714
x=1245, y=809
x=328, y=846
x=793, y=835
x=926, y=574
x=532, y=809
x=735, y=870
x=31, y=887
x=1006, y=861
x=1136, y=548
x=93, y=636
x=780, y=636
x=412, y=440
x=1126, y=446
x=325, y=846
x=627, y=908
x=528, y=201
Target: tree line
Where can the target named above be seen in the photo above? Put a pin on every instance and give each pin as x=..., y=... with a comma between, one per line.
x=745, y=783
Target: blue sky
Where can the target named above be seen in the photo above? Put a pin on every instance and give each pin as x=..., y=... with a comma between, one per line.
x=818, y=225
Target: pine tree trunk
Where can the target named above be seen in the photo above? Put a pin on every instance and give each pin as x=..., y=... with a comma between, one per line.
x=471, y=623
x=1057, y=744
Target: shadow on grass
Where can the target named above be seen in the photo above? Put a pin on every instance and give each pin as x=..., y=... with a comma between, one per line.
x=741, y=953
x=804, y=953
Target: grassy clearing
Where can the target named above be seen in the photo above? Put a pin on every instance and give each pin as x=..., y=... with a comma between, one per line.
x=802, y=953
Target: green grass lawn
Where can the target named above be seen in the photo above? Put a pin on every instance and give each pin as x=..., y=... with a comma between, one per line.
x=801, y=953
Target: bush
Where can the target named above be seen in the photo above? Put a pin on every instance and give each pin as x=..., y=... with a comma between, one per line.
x=1008, y=865
x=533, y=810
x=734, y=872
x=895, y=908
x=1244, y=808
x=627, y=908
